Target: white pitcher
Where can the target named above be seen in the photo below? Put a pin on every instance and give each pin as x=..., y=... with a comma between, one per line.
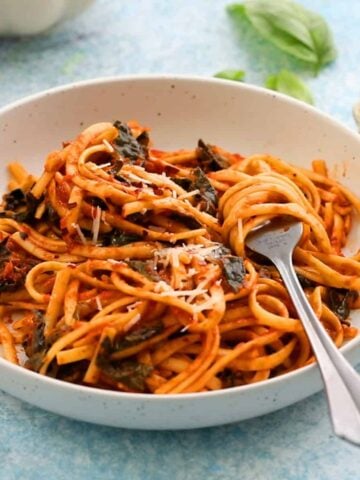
x=29, y=17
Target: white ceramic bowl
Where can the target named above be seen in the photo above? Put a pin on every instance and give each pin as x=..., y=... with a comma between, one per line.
x=29, y=17
x=179, y=110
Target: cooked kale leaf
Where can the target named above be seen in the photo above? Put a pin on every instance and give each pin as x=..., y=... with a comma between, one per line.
x=208, y=159
x=21, y=206
x=51, y=215
x=117, y=238
x=129, y=372
x=98, y=202
x=208, y=195
x=14, y=199
x=186, y=220
x=234, y=271
x=131, y=149
x=146, y=268
x=184, y=183
x=305, y=282
x=232, y=266
x=339, y=301
x=137, y=336
x=36, y=346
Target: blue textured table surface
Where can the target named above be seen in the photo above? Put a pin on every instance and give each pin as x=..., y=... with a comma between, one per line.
x=193, y=37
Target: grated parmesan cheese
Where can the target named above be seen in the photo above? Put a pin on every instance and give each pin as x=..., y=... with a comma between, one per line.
x=199, y=287
x=80, y=233
x=175, y=259
x=135, y=178
x=102, y=165
x=96, y=225
x=98, y=303
x=183, y=293
x=132, y=322
x=132, y=306
x=113, y=261
x=108, y=146
x=155, y=228
x=189, y=194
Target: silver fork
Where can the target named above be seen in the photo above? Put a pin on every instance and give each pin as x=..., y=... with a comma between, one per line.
x=276, y=241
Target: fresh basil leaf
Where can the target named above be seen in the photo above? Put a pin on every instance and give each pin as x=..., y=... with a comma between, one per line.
x=291, y=27
x=290, y=84
x=231, y=74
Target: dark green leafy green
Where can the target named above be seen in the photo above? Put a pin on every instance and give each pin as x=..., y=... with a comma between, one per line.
x=232, y=266
x=137, y=336
x=231, y=74
x=184, y=183
x=290, y=84
x=131, y=149
x=98, y=202
x=118, y=238
x=129, y=372
x=20, y=206
x=37, y=346
x=51, y=215
x=339, y=301
x=305, y=282
x=234, y=271
x=146, y=268
x=14, y=199
x=186, y=220
x=294, y=29
x=208, y=196
x=208, y=159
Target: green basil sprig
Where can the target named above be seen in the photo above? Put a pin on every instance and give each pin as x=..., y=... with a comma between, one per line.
x=231, y=74
x=290, y=84
x=291, y=27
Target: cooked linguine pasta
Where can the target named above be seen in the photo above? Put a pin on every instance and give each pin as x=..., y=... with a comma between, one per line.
x=124, y=267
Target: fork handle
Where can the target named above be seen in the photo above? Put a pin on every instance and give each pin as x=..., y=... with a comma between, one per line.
x=341, y=381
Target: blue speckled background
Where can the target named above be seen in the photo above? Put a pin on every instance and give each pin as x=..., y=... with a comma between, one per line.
x=193, y=37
